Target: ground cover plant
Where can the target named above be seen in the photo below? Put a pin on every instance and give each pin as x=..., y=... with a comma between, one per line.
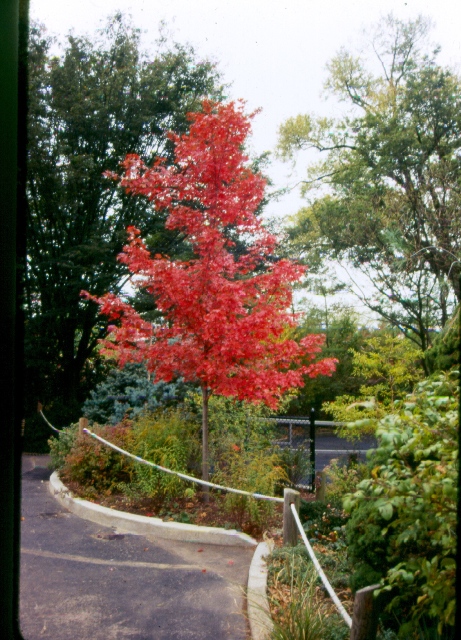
x=292, y=575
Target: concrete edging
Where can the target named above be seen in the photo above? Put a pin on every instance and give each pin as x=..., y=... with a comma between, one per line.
x=144, y=525
x=259, y=616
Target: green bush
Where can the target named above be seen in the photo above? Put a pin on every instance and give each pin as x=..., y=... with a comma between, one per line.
x=404, y=515
x=171, y=441
x=296, y=464
x=232, y=423
x=165, y=438
x=342, y=479
x=253, y=470
x=61, y=445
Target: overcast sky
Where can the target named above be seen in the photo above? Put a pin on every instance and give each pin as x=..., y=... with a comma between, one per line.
x=273, y=52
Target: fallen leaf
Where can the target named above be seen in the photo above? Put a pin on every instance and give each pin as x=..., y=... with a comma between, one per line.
x=199, y=550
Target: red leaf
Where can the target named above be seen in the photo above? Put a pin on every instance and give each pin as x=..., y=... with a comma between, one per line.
x=225, y=317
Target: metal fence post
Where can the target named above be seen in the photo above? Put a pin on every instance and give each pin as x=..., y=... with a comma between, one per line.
x=290, y=529
x=312, y=447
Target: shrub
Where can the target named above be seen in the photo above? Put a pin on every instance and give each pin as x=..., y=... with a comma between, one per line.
x=342, y=479
x=129, y=391
x=61, y=445
x=169, y=440
x=95, y=466
x=232, y=423
x=408, y=507
x=164, y=438
x=296, y=464
x=253, y=470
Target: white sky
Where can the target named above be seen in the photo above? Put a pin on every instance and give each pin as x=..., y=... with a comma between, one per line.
x=273, y=52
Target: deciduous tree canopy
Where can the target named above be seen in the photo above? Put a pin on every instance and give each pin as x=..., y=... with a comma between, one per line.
x=225, y=316
x=391, y=177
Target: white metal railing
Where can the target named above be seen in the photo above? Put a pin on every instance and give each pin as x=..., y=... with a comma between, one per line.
x=346, y=617
x=258, y=496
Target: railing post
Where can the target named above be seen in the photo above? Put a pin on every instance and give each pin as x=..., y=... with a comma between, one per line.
x=290, y=529
x=365, y=615
x=82, y=424
x=312, y=447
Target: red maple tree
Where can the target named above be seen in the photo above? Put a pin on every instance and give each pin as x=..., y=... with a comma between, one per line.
x=225, y=313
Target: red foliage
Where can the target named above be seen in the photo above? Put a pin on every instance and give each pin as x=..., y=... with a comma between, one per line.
x=225, y=317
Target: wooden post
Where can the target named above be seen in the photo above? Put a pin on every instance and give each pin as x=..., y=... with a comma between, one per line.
x=82, y=424
x=290, y=528
x=320, y=485
x=365, y=615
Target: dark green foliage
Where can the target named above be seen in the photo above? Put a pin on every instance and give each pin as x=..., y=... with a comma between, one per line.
x=128, y=391
x=322, y=520
x=445, y=350
x=296, y=464
x=89, y=106
x=403, y=520
x=367, y=547
x=342, y=333
x=36, y=434
x=311, y=510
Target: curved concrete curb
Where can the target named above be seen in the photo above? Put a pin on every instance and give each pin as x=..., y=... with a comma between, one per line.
x=259, y=615
x=143, y=525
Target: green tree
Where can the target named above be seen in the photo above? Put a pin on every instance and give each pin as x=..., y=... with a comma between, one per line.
x=388, y=365
x=89, y=106
x=343, y=335
x=389, y=180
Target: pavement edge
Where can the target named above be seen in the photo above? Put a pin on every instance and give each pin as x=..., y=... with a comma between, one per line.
x=144, y=525
x=259, y=616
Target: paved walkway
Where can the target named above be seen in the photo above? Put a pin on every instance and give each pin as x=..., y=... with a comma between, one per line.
x=80, y=580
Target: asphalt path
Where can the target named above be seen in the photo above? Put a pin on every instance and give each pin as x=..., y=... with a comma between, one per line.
x=82, y=581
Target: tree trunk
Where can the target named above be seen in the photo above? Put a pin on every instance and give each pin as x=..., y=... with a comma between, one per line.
x=205, y=475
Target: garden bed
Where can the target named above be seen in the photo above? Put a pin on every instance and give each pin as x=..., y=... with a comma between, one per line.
x=191, y=510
